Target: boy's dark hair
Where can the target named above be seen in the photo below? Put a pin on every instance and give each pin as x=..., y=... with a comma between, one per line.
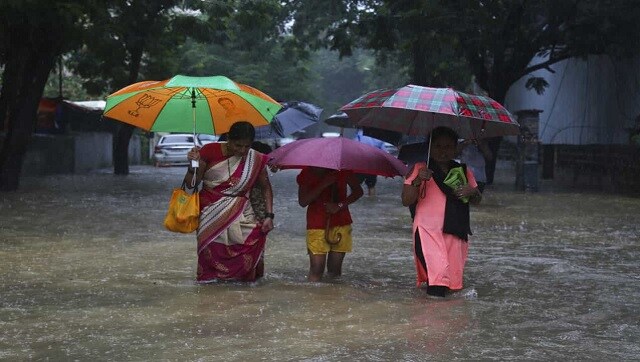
x=241, y=130
x=444, y=132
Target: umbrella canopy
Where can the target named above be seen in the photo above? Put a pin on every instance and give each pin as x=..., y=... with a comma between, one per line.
x=341, y=120
x=337, y=153
x=190, y=104
x=395, y=138
x=294, y=116
x=416, y=110
x=414, y=152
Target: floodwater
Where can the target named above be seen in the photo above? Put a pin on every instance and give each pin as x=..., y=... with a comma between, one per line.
x=87, y=272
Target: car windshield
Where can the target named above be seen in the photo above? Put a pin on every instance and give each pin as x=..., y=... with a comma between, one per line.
x=206, y=137
x=177, y=139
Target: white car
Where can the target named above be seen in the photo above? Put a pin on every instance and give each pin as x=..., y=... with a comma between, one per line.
x=207, y=138
x=172, y=149
x=393, y=150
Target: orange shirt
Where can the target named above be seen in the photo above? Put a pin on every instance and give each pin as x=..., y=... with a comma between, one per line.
x=316, y=215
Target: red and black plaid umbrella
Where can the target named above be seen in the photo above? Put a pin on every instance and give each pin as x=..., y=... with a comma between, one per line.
x=416, y=110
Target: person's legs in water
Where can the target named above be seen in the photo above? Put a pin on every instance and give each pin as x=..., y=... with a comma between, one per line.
x=334, y=264
x=260, y=268
x=412, y=211
x=371, y=181
x=434, y=290
x=481, y=186
x=317, y=263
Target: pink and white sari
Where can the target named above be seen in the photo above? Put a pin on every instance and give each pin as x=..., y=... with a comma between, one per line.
x=230, y=240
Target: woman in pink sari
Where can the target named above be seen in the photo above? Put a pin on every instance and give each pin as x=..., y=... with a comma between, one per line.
x=441, y=224
x=231, y=241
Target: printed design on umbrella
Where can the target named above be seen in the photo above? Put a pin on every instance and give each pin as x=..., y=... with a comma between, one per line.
x=230, y=109
x=145, y=101
x=482, y=108
x=414, y=98
x=415, y=110
x=207, y=105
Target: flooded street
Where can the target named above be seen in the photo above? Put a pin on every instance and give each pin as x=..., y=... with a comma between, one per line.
x=87, y=272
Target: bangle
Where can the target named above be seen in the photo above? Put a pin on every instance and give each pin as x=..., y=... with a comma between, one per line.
x=269, y=215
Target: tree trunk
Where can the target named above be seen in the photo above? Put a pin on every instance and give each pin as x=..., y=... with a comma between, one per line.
x=419, y=76
x=22, y=112
x=499, y=94
x=10, y=80
x=125, y=131
x=490, y=165
x=121, y=149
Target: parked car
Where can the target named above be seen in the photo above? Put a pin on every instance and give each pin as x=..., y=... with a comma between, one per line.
x=277, y=142
x=172, y=149
x=393, y=150
x=206, y=138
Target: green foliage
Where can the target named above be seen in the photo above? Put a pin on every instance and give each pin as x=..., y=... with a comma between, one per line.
x=72, y=87
x=444, y=42
x=500, y=38
x=135, y=40
x=272, y=72
x=537, y=83
x=339, y=81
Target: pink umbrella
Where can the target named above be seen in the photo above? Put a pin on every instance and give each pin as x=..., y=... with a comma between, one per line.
x=337, y=153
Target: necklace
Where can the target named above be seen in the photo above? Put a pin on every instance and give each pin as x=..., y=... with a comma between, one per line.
x=233, y=181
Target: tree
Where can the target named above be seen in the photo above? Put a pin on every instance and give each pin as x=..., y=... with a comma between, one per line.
x=148, y=39
x=33, y=34
x=495, y=40
x=499, y=39
x=130, y=41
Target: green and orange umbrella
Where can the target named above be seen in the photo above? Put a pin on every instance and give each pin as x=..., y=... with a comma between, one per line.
x=190, y=104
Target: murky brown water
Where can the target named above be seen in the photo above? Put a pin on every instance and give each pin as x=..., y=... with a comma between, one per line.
x=88, y=273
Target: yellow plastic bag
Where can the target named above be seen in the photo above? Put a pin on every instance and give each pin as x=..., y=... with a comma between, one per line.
x=184, y=211
x=456, y=178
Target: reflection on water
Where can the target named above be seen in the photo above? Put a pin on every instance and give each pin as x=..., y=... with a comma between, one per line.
x=88, y=272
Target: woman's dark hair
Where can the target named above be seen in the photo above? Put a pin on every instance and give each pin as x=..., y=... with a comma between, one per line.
x=444, y=132
x=261, y=147
x=241, y=130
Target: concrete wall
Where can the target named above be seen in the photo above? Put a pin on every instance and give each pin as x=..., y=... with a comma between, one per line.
x=49, y=154
x=590, y=101
x=77, y=153
x=92, y=150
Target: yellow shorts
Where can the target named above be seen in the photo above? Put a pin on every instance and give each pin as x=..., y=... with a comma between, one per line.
x=316, y=243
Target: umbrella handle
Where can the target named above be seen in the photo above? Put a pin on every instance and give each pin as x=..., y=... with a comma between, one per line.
x=327, y=234
x=429, y=149
x=423, y=185
x=194, y=163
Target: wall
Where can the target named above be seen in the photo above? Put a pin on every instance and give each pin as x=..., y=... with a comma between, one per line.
x=588, y=101
x=605, y=167
x=49, y=154
x=80, y=152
